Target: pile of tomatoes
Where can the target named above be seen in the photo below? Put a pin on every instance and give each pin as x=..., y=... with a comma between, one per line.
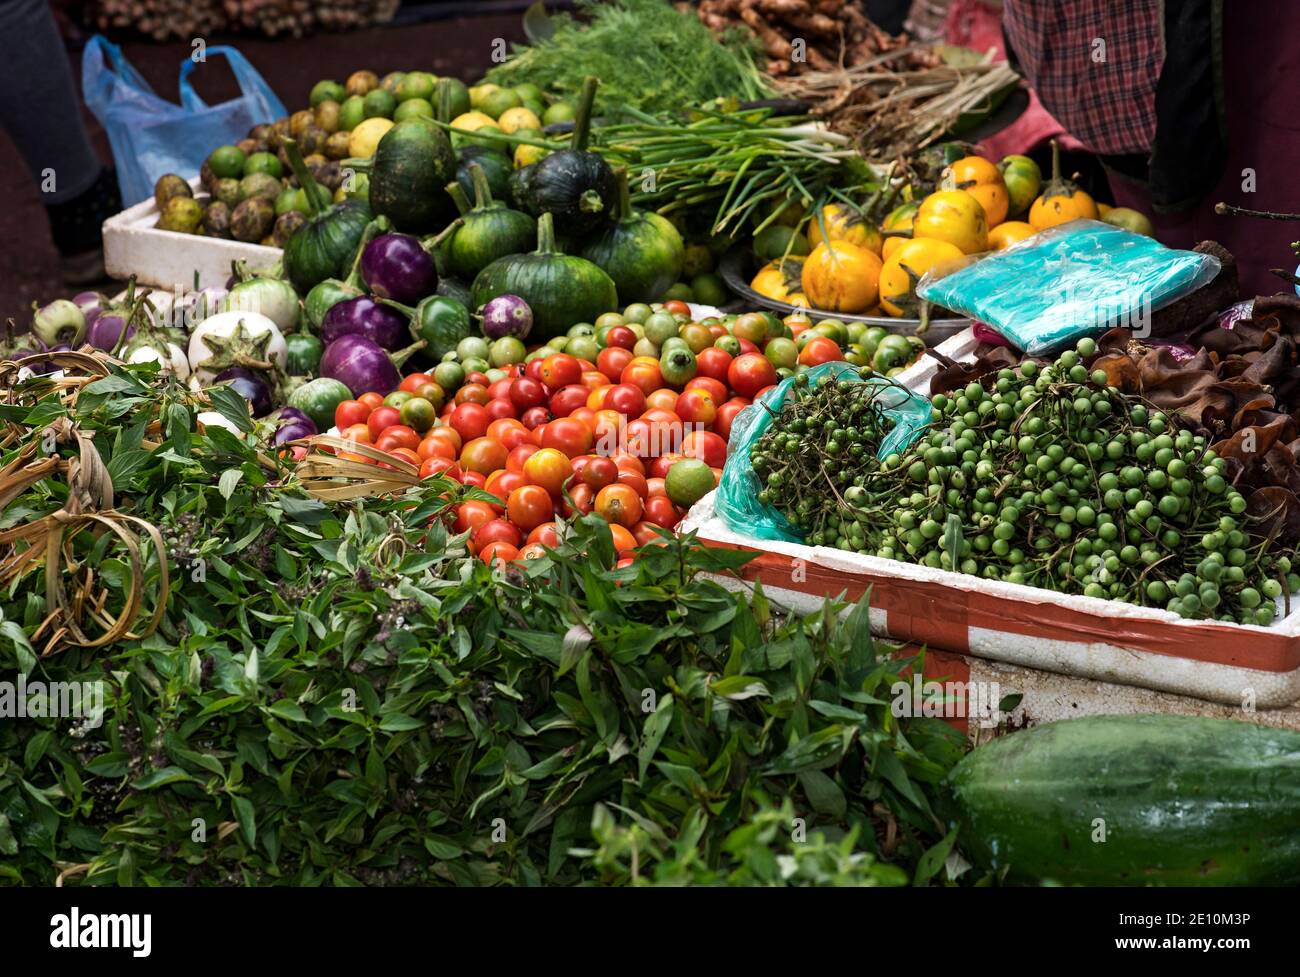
x=557, y=436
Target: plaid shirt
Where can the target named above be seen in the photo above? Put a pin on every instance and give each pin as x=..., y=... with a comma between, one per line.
x=1094, y=64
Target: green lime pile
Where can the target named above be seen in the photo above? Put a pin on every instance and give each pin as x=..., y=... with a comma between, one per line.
x=1050, y=477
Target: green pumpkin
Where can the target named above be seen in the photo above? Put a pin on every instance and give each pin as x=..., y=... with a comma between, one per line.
x=496, y=165
x=454, y=288
x=560, y=289
x=302, y=354
x=488, y=231
x=410, y=168
x=517, y=186
x=318, y=399
x=324, y=246
x=440, y=321
x=575, y=185
x=642, y=251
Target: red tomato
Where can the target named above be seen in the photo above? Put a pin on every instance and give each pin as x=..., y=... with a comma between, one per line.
x=470, y=421
x=612, y=360
x=520, y=454
x=626, y=399
x=717, y=331
x=356, y=433
x=436, y=448
x=547, y=534
x=501, y=483
x=501, y=407
x=509, y=432
x=708, y=447
x=535, y=417
x=548, y=468
x=440, y=466
x=500, y=389
x=525, y=393
x=655, y=486
x=667, y=430
x=568, y=435
x=584, y=415
x=712, y=363
x=677, y=307
x=472, y=393
x=401, y=436
x=478, y=378
x=620, y=336
x=448, y=434
x=628, y=462
x=634, y=480
x=498, y=554
x=642, y=438
x=658, y=467
x=583, y=500
x=749, y=373
x=560, y=370
x=476, y=479
x=470, y=516
x=529, y=506
x=350, y=412
x=599, y=472
x=407, y=455
x=568, y=399
x=498, y=530
x=697, y=406
x=659, y=509
x=533, y=369
x=372, y=400
x=717, y=389
x=591, y=379
x=483, y=455
x=381, y=420
x=819, y=350
x=643, y=372
x=770, y=386
x=410, y=384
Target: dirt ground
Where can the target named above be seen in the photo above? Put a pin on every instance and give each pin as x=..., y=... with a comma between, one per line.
x=29, y=264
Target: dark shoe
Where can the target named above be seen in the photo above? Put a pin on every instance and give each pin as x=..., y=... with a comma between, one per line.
x=76, y=226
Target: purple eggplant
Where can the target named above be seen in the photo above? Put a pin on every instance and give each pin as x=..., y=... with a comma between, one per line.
x=288, y=414
x=396, y=266
x=106, y=331
x=507, y=315
x=252, y=385
x=364, y=366
x=364, y=316
x=295, y=429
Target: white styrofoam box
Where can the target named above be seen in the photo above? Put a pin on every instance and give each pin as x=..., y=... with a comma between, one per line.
x=1086, y=637
x=166, y=259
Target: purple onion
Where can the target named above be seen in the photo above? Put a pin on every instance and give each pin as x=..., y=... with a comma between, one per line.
x=251, y=385
x=360, y=364
x=363, y=316
x=396, y=267
x=288, y=414
x=507, y=315
x=295, y=430
x=105, y=332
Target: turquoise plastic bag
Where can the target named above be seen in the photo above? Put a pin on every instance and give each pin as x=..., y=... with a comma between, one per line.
x=1070, y=281
x=151, y=136
x=736, y=500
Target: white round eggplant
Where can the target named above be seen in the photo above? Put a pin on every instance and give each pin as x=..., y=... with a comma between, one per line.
x=235, y=338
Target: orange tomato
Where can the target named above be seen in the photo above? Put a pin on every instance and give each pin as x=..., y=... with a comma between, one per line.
x=356, y=433
x=472, y=515
x=547, y=534
x=619, y=504
x=820, y=350
x=643, y=372
x=520, y=454
x=697, y=407
x=436, y=465
x=498, y=554
x=569, y=436
x=407, y=455
x=483, y=455
x=629, y=462
x=593, y=379
x=665, y=398
x=372, y=400
x=655, y=487
x=624, y=541
x=502, y=482
x=596, y=399
x=549, y=468
x=410, y=384
x=532, y=551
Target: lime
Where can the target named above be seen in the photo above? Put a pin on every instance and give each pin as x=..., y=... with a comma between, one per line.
x=682, y=292
x=457, y=96
x=351, y=113
x=379, y=104
x=227, y=162
x=688, y=481
x=771, y=242
x=495, y=103
x=417, y=84
x=413, y=108
x=528, y=92
x=391, y=81
x=558, y=112
x=709, y=290
x=324, y=91
x=267, y=163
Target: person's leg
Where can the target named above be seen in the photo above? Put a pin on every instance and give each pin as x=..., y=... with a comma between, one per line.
x=41, y=113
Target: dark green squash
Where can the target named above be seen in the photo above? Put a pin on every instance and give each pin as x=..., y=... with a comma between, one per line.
x=560, y=289
x=454, y=288
x=302, y=354
x=576, y=186
x=489, y=230
x=323, y=247
x=412, y=164
x=517, y=187
x=440, y=321
x=641, y=251
x=496, y=166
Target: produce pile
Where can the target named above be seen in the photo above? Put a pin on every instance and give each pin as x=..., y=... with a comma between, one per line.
x=1043, y=476
x=166, y=20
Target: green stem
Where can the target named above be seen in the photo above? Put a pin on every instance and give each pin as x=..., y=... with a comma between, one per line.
x=402, y=355
x=582, y=118
x=482, y=192
x=546, y=234
x=305, y=179
x=354, y=272
x=624, y=194
x=433, y=241
x=499, y=137
x=457, y=194
x=442, y=111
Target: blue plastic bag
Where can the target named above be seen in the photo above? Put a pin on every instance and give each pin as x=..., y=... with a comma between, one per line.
x=736, y=500
x=151, y=136
x=1070, y=281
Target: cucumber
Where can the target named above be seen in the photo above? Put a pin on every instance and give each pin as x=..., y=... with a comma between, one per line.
x=1182, y=800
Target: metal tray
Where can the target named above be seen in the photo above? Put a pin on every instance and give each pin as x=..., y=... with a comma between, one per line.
x=739, y=264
